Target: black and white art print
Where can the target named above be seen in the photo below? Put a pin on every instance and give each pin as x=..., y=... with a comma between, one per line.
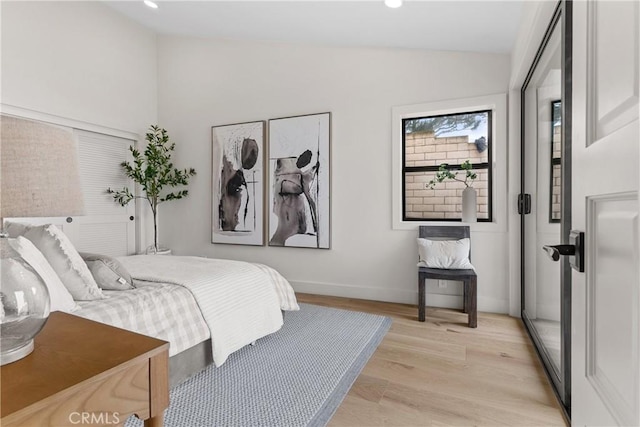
x=299, y=181
x=238, y=183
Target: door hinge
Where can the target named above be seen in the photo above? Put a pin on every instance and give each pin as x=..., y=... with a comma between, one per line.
x=524, y=203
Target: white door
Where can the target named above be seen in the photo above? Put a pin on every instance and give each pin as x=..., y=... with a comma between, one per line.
x=106, y=228
x=605, y=138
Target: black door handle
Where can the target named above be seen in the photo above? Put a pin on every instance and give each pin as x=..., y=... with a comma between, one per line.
x=575, y=250
x=554, y=251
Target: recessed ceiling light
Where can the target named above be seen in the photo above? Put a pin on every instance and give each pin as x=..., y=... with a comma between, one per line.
x=393, y=3
x=151, y=4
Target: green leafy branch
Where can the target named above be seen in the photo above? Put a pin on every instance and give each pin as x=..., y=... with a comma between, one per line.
x=153, y=171
x=444, y=172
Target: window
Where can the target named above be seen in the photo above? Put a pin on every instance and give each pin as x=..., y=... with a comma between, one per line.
x=431, y=140
x=492, y=163
x=556, y=161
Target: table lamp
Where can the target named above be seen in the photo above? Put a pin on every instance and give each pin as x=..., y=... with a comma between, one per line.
x=39, y=177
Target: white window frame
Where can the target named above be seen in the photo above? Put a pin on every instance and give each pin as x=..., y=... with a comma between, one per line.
x=498, y=105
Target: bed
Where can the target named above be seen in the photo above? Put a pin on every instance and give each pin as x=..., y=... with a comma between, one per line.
x=205, y=308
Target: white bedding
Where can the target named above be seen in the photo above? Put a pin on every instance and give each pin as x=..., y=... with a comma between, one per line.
x=240, y=301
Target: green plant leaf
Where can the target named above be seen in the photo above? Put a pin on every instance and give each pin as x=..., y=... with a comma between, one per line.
x=445, y=173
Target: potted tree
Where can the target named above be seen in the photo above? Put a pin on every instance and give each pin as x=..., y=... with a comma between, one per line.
x=154, y=171
x=469, y=204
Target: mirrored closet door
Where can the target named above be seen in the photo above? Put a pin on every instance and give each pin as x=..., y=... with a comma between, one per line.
x=546, y=298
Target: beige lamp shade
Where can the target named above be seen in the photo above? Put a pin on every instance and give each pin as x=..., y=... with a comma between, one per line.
x=39, y=175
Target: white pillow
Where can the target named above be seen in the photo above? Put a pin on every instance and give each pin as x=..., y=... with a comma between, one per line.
x=61, y=299
x=66, y=262
x=451, y=254
x=108, y=272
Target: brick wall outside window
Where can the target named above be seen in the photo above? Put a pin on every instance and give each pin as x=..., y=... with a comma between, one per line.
x=445, y=200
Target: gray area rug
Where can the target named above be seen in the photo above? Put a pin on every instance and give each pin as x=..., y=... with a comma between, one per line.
x=295, y=377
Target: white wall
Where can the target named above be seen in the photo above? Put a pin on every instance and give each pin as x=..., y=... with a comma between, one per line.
x=79, y=60
x=78, y=64
x=207, y=82
x=536, y=16
x=83, y=62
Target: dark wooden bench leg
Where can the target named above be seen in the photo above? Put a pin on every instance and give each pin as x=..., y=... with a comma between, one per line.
x=472, y=304
x=421, y=298
x=465, y=296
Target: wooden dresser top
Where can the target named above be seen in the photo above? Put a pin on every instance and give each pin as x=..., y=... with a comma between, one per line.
x=69, y=351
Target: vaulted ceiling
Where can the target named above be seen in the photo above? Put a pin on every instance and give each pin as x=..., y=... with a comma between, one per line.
x=475, y=26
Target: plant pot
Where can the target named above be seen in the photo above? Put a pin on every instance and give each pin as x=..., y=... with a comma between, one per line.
x=151, y=250
x=469, y=205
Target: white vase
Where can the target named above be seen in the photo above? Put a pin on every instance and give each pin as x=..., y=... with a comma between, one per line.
x=469, y=205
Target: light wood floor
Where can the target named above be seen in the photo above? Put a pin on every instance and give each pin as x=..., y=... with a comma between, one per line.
x=441, y=372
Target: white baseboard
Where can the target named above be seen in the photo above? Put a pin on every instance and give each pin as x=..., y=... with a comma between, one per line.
x=491, y=305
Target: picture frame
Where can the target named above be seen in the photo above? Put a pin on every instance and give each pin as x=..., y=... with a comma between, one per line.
x=238, y=179
x=300, y=181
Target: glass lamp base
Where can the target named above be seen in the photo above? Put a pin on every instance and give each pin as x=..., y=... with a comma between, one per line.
x=16, y=354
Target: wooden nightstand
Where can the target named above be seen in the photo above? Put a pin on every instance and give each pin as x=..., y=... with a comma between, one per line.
x=83, y=372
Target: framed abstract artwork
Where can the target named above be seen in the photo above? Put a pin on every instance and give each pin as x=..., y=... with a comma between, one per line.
x=238, y=183
x=299, y=181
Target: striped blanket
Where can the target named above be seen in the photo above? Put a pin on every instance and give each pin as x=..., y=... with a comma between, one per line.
x=240, y=301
